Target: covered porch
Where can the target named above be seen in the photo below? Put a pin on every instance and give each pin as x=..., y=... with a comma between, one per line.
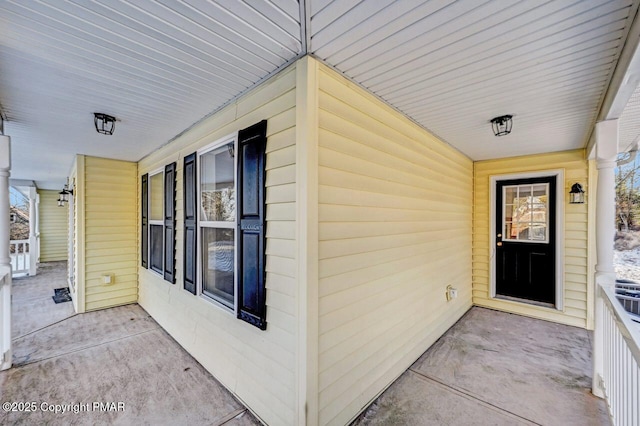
x=390, y=135
x=489, y=368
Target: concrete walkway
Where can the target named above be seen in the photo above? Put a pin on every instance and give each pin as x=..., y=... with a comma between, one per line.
x=117, y=356
x=495, y=368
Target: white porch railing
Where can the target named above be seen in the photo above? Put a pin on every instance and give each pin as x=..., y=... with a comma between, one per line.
x=19, y=254
x=5, y=317
x=621, y=359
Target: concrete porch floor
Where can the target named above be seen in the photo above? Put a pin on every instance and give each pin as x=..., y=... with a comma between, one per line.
x=491, y=368
x=495, y=368
x=113, y=355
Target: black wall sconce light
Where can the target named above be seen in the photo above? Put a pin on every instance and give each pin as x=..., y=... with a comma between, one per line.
x=105, y=124
x=63, y=196
x=576, y=195
x=502, y=125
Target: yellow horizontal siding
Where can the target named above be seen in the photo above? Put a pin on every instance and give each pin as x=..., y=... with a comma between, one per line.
x=575, y=168
x=395, y=213
x=54, y=227
x=258, y=366
x=110, y=232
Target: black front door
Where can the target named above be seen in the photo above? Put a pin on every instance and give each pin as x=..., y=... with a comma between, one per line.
x=525, y=239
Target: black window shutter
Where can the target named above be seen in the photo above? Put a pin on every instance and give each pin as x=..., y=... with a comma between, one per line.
x=190, y=222
x=252, y=143
x=144, y=237
x=170, y=223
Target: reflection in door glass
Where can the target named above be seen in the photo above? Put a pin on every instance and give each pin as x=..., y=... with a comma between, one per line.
x=525, y=212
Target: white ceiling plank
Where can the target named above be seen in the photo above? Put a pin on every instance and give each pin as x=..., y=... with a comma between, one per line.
x=380, y=29
x=82, y=55
x=176, y=41
x=337, y=29
x=109, y=41
x=290, y=7
x=206, y=38
x=72, y=55
x=508, y=81
x=318, y=5
x=566, y=79
x=109, y=83
x=251, y=17
x=451, y=36
x=498, y=41
x=332, y=11
x=278, y=16
x=325, y=41
x=590, y=94
x=464, y=78
x=459, y=11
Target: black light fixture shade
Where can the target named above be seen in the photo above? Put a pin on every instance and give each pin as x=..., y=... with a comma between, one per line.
x=64, y=195
x=576, y=195
x=104, y=123
x=502, y=125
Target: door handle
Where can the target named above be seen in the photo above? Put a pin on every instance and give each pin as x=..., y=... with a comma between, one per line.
x=499, y=243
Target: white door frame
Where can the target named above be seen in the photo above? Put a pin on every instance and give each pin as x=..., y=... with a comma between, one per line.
x=560, y=190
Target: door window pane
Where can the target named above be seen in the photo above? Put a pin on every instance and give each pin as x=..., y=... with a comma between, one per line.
x=218, y=261
x=508, y=212
x=526, y=212
x=217, y=194
x=510, y=193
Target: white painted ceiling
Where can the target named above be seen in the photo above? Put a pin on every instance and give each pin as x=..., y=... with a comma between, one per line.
x=159, y=66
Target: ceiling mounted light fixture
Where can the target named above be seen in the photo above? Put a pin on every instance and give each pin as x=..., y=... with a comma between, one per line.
x=105, y=124
x=502, y=125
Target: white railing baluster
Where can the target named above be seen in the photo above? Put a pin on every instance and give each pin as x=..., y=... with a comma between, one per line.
x=621, y=371
x=19, y=254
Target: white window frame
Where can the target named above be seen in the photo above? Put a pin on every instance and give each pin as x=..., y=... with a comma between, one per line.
x=151, y=222
x=232, y=138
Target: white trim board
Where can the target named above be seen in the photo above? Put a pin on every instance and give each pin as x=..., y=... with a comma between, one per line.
x=560, y=188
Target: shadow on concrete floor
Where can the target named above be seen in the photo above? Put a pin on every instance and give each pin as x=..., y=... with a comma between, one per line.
x=496, y=368
x=119, y=356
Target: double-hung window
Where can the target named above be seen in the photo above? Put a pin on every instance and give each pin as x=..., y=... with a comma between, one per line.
x=225, y=223
x=158, y=221
x=217, y=222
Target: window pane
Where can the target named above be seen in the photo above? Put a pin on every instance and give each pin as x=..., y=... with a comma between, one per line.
x=155, y=246
x=508, y=212
x=523, y=231
x=524, y=192
x=217, y=193
x=156, y=189
x=539, y=190
x=538, y=232
x=218, y=264
x=508, y=227
x=510, y=194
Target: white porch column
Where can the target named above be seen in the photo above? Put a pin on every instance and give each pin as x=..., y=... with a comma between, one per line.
x=5, y=260
x=606, y=154
x=33, y=241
